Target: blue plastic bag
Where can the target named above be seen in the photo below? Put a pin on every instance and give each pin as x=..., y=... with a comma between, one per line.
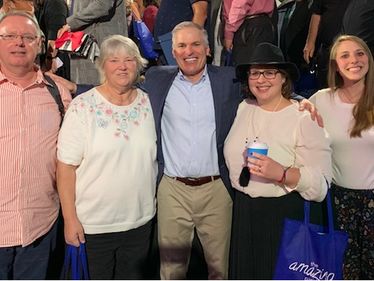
x=145, y=38
x=75, y=264
x=310, y=251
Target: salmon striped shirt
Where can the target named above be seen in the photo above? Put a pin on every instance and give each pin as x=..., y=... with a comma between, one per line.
x=29, y=125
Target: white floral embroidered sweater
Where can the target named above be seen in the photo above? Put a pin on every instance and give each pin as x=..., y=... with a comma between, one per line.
x=115, y=149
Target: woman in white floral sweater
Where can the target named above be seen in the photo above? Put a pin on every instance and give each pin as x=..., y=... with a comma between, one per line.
x=107, y=166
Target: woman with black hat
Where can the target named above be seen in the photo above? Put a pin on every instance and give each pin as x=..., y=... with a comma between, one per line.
x=271, y=187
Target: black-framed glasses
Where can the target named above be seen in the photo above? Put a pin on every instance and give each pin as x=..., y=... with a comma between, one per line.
x=28, y=38
x=268, y=74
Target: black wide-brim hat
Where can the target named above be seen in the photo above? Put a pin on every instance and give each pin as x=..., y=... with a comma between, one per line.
x=269, y=55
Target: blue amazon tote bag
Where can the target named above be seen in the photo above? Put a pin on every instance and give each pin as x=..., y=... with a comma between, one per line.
x=310, y=251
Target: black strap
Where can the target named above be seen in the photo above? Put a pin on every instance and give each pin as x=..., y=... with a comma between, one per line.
x=55, y=93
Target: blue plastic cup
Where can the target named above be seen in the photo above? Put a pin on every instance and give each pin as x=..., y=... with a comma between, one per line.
x=258, y=147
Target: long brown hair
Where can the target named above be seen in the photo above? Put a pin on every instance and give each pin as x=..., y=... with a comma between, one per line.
x=363, y=111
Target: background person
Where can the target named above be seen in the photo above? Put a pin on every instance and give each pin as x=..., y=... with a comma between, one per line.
x=150, y=13
x=296, y=168
x=347, y=108
x=358, y=20
x=100, y=19
x=325, y=24
x=19, y=5
x=51, y=16
x=107, y=166
x=171, y=13
x=248, y=23
x=294, y=18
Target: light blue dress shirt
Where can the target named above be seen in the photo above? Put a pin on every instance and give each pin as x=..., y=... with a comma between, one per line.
x=188, y=129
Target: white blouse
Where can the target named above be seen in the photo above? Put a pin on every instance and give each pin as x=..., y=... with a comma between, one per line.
x=293, y=139
x=352, y=158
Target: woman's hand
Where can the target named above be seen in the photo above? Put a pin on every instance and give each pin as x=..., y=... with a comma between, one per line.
x=74, y=233
x=265, y=167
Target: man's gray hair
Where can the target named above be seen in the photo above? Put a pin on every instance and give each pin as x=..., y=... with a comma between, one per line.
x=190, y=24
x=19, y=13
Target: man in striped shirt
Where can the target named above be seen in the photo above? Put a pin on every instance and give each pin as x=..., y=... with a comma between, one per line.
x=29, y=124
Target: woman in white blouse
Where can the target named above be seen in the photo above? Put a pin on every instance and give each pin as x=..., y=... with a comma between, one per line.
x=347, y=108
x=107, y=166
x=271, y=188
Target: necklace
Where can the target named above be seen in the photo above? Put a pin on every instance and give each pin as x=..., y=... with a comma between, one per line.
x=344, y=96
x=252, y=120
x=279, y=101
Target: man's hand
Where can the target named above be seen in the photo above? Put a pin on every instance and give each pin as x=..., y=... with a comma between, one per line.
x=228, y=44
x=308, y=51
x=310, y=43
x=307, y=105
x=200, y=12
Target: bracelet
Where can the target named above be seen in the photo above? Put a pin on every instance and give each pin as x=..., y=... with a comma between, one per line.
x=283, y=179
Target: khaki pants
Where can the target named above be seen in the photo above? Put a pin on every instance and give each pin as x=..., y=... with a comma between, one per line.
x=181, y=208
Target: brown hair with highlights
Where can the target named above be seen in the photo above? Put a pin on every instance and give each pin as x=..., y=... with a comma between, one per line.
x=363, y=111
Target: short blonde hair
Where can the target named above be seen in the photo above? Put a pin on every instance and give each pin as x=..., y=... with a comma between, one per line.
x=113, y=45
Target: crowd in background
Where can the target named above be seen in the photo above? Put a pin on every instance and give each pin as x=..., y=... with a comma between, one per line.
x=144, y=161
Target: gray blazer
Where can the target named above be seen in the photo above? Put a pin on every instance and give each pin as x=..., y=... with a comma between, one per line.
x=99, y=18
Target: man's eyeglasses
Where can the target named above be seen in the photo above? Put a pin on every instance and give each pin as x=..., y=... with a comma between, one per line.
x=28, y=38
x=268, y=74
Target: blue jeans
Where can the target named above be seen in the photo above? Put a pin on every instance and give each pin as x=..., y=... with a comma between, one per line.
x=30, y=262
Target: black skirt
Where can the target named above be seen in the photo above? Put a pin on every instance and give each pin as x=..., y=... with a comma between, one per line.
x=257, y=230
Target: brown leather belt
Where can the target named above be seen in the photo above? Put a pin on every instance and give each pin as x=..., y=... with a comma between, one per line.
x=197, y=181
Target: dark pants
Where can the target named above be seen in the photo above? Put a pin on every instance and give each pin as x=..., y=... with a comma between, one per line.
x=119, y=255
x=30, y=262
x=252, y=32
x=322, y=60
